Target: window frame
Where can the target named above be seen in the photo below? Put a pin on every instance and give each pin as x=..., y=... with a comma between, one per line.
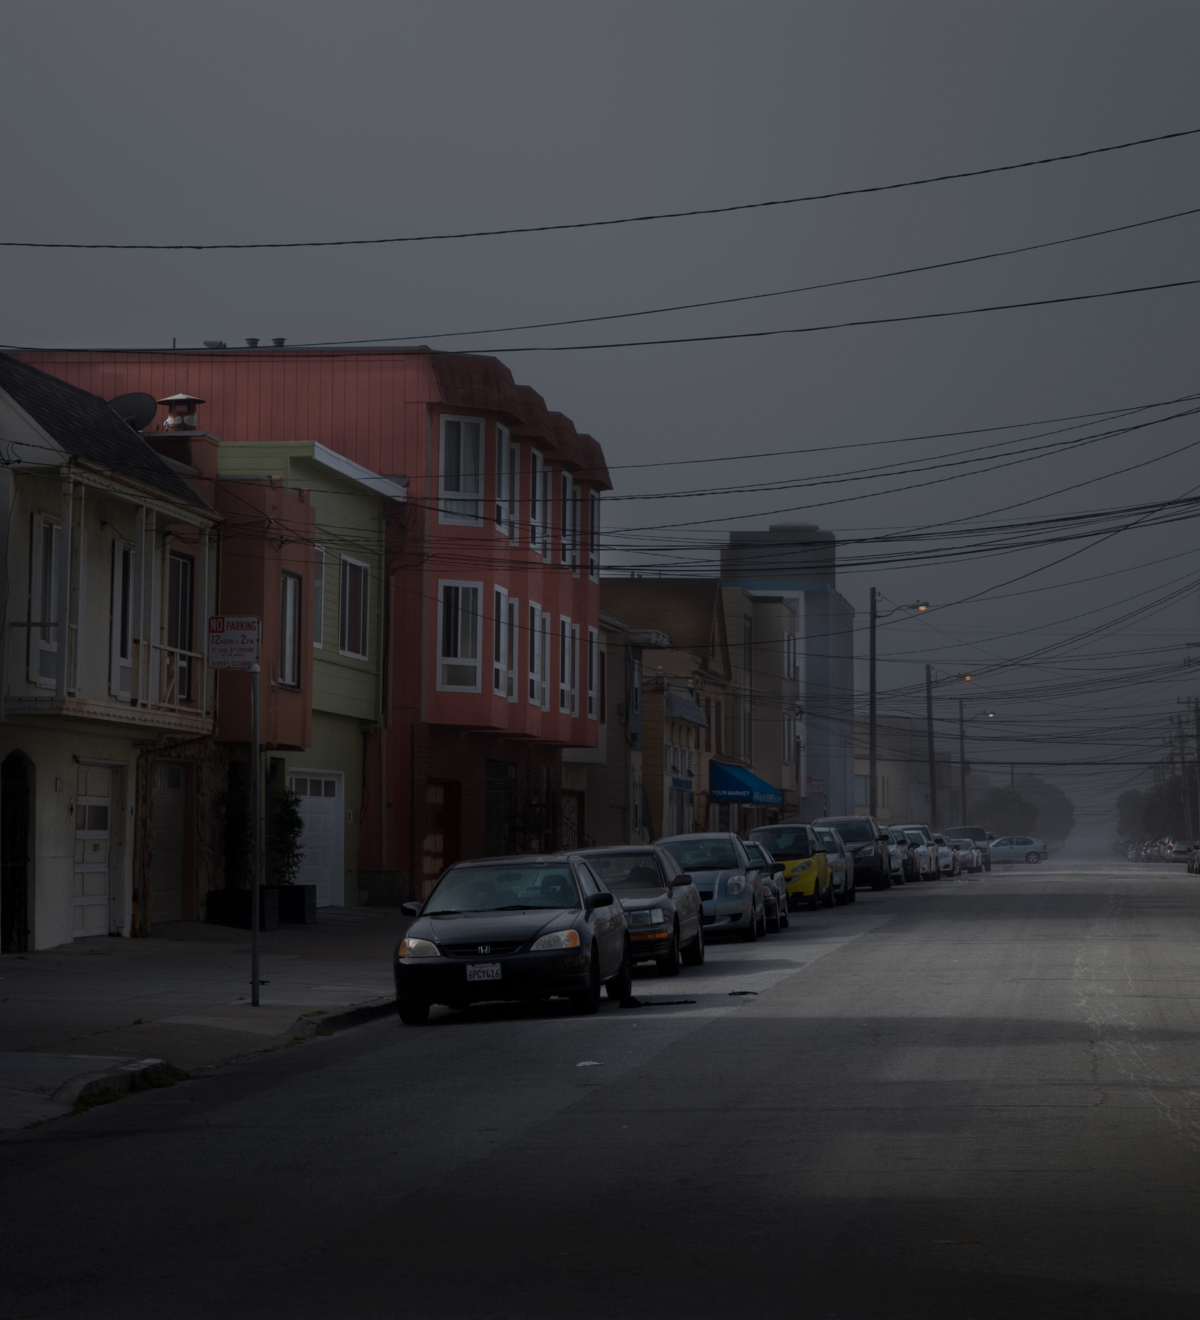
x=319, y=597
x=182, y=620
x=458, y=658
x=514, y=490
x=121, y=622
x=566, y=503
x=345, y=563
x=501, y=642
x=43, y=599
x=502, y=479
x=537, y=514
x=594, y=535
x=593, y=673
x=291, y=603
x=459, y=494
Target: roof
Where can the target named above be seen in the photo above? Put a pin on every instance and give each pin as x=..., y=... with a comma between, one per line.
x=86, y=427
x=683, y=608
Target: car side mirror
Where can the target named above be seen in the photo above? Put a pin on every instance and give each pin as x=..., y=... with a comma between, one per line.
x=598, y=900
x=777, y=869
x=683, y=880
x=411, y=909
x=991, y=838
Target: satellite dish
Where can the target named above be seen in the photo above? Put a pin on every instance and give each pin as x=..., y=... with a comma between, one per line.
x=139, y=410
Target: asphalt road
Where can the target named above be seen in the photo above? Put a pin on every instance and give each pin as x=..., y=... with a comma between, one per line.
x=973, y=1099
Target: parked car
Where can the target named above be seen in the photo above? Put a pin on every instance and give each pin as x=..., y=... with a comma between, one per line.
x=948, y=859
x=661, y=902
x=514, y=928
x=806, y=872
x=903, y=854
x=978, y=835
x=774, y=887
x=896, y=855
x=1019, y=848
x=924, y=851
x=1181, y=850
x=841, y=863
x=729, y=883
x=970, y=856
x=865, y=843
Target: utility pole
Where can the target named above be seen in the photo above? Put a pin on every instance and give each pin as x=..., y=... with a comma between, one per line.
x=933, y=809
x=255, y=841
x=1196, y=713
x=872, y=727
x=962, y=762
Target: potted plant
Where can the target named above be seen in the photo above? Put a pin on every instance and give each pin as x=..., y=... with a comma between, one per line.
x=285, y=828
x=230, y=906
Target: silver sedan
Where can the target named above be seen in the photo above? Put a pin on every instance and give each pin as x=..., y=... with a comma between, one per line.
x=730, y=883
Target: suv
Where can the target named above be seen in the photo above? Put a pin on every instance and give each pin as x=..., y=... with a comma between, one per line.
x=979, y=835
x=865, y=843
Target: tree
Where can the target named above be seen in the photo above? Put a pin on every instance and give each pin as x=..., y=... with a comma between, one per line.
x=1055, y=811
x=1005, y=811
x=285, y=827
x=1131, y=813
x=1162, y=816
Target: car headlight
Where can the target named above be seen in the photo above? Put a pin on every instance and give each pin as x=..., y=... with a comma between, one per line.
x=414, y=948
x=557, y=939
x=869, y=851
x=735, y=886
x=647, y=917
x=803, y=866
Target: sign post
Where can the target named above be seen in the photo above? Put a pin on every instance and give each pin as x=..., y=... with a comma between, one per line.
x=233, y=643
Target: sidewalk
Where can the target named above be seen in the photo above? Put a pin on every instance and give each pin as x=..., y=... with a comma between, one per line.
x=100, y=1006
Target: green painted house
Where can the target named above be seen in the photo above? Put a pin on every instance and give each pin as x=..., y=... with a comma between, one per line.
x=340, y=611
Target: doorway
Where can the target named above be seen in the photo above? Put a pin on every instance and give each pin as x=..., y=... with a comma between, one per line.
x=170, y=842
x=93, y=849
x=15, y=800
x=440, y=834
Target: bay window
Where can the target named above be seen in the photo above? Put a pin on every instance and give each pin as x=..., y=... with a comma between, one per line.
x=460, y=474
x=458, y=636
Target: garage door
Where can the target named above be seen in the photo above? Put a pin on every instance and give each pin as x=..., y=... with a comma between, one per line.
x=321, y=806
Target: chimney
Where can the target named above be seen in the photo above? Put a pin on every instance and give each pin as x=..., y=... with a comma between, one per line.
x=279, y=343
x=181, y=412
x=251, y=343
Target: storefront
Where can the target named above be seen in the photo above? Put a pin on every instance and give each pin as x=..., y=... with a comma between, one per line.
x=739, y=800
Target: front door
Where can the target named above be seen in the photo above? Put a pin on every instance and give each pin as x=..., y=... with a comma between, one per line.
x=170, y=842
x=323, y=863
x=93, y=840
x=439, y=837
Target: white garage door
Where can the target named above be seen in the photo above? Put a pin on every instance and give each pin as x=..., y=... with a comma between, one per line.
x=321, y=805
x=92, y=822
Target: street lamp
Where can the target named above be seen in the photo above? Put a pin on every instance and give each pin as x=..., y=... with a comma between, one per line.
x=945, y=678
x=872, y=701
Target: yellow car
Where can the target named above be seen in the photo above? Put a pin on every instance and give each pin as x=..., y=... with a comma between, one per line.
x=806, y=869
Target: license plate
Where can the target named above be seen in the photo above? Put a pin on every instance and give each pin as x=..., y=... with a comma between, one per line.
x=483, y=971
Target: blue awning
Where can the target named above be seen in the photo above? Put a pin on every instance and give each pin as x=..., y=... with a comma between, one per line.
x=733, y=783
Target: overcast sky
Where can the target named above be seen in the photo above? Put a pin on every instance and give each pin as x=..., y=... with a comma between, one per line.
x=275, y=120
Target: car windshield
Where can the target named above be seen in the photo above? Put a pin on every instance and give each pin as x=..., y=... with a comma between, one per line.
x=914, y=836
x=785, y=845
x=622, y=870
x=855, y=831
x=828, y=838
x=714, y=854
x=497, y=888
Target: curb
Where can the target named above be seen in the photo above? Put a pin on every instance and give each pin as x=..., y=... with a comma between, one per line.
x=112, y=1083
x=355, y=1017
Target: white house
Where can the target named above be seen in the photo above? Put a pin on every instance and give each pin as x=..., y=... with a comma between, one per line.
x=110, y=574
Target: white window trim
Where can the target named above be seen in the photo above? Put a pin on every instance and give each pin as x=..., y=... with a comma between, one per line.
x=318, y=597
x=122, y=601
x=477, y=661
x=460, y=519
x=501, y=502
x=593, y=674
x=501, y=660
x=514, y=491
x=537, y=515
x=594, y=535
x=564, y=665
x=343, y=561
x=297, y=591
x=513, y=622
x=40, y=645
x=533, y=676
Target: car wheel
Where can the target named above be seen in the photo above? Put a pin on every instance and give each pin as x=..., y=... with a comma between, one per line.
x=957, y=868
x=762, y=922
x=814, y=899
x=668, y=964
x=843, y=898
x=853, y=894
x=887, y=881
x=693, y=955
x=588, y=1001
x=773, y=924
x=1032, y=857
x=413, y=1013
x=750, y=934
x=784, y=920
x=829, y=896
x=621, y=986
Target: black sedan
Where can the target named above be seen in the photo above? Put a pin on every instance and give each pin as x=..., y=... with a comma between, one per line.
x=662, y=905
x=513, y=928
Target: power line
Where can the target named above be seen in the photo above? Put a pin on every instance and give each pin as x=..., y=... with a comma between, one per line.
x=622, y=220
x=831, y=325
x=750, y=297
